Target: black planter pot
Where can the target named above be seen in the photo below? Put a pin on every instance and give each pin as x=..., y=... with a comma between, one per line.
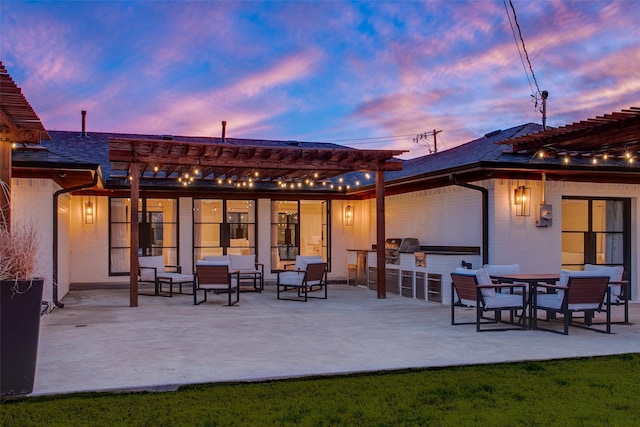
x=20, y=304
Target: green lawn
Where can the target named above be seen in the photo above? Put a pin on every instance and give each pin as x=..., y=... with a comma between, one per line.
x=581, y=392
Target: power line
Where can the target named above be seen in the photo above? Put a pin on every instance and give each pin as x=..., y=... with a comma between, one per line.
x=524, y=48
x=373, y=137
x=424, y=136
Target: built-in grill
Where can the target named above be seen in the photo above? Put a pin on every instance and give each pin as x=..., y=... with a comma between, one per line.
x=393, y=247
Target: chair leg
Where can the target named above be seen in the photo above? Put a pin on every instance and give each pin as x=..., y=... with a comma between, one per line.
x=608, y=312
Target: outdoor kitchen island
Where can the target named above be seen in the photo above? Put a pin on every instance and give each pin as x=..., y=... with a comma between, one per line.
x=423, y=274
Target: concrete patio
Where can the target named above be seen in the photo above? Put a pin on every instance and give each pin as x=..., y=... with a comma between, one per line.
x=98, y=343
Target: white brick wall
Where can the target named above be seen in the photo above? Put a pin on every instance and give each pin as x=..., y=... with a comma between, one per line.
x=32, y=204
x=445, y=216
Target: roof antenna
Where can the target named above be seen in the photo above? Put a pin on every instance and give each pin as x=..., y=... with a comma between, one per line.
x=545, y=95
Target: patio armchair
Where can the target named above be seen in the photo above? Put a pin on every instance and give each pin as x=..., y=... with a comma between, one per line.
x=576, y=292
x=250, y=270
x=618, y=284
x=313, y=278
x=152, y=269
x=217, y=279
x=474, y=288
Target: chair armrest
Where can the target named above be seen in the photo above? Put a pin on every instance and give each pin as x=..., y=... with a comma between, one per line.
x=618, y=282
x=260, y=267
x=288, y=266
x=177, y=268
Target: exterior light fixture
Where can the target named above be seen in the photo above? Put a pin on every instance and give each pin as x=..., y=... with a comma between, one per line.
x=348, y=215
x=522, y=200
x=89, y=211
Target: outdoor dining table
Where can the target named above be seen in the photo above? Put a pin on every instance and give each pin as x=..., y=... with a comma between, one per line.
x=531, y=279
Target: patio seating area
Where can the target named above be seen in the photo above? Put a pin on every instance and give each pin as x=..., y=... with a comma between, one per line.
x=98, y=343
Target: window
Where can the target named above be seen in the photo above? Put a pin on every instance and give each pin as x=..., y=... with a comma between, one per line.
x=223, y=227
x=596, y=231
x=298, y=228
x=157, y=231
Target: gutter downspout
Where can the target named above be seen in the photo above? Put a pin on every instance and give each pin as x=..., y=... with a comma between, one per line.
x=485, y=215
x=55, y=232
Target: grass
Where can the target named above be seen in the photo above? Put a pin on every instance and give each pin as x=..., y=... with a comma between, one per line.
x=576, y=392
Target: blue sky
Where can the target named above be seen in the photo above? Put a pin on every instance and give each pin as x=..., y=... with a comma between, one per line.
x=363, y=74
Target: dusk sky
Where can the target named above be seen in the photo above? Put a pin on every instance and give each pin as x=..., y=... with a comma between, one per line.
x=363, y=74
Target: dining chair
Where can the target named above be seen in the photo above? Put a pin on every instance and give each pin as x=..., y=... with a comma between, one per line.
x=216, y=279
x=313, y=278
x=477, y=290
x=575, y=293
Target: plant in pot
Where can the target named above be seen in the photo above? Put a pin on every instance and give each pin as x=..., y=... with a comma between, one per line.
x=20, y=303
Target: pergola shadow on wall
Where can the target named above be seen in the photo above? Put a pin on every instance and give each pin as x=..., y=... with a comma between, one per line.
x=265, y=169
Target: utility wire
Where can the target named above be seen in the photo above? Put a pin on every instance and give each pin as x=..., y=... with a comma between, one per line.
x=515, y=18
x=373, y=137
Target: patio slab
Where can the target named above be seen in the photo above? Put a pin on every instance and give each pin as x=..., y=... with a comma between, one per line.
x=98, y=343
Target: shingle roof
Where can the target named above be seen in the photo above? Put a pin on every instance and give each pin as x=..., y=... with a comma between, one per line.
x=73, y=150
x=481, y=149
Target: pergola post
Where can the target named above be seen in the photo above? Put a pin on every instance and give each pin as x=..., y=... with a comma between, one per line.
x=5, y=192
x=133, y=252
x=381, y=271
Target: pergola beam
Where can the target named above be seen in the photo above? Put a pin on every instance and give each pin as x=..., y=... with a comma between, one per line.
x=271, y=162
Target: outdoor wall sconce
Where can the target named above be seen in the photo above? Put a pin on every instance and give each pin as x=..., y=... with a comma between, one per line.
x=522, y=200
x=348, y=215
x=89, y=211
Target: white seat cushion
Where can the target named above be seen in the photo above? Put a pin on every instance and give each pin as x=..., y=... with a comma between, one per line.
x=484, y=279
x=615, y=275
x=291, y=278
x=175, y=277
x=503, y=300
x=549, y=300
x=243, y=263
x=302, y=261
x=147, y=263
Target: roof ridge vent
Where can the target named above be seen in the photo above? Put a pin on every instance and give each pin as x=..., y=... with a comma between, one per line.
x=493, y=133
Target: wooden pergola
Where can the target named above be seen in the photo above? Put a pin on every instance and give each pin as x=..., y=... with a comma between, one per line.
x=615, y=135
x=265, y=165
x=19, y=124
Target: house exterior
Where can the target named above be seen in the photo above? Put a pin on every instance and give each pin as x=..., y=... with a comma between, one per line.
x=463, y=204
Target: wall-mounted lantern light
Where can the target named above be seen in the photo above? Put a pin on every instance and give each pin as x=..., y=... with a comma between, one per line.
x=89, y=212
x=522, y=200
x=348, y=215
